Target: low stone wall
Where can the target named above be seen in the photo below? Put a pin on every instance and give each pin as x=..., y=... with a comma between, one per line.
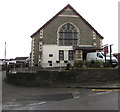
x=48, y=78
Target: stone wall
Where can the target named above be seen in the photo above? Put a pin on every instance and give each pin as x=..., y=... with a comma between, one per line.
x=48, y=78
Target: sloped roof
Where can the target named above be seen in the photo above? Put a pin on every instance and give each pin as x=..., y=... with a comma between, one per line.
x=21, y=58
x=87, y=48
x=70, y=7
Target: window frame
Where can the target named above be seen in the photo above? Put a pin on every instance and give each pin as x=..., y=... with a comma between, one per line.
x=61, y=55
x=70, y=55
x=68, y=35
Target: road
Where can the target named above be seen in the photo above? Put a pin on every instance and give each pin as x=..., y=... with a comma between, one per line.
x=33, y=98
x=97, y=101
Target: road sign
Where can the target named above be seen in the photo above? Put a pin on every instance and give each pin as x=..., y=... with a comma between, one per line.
x=105, y=49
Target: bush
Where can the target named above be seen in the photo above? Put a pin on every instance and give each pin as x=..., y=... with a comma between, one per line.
x=68, y=66
x=93, y=64
x=88, y=64
x=98, y=64
x=106, y=64
x=78, y=64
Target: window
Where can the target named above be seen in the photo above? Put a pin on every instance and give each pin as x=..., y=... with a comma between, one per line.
x=78, y=54
x=99, y=55
x=94, y=35
x=70, y=54
x=68, y=35
x=50, y=55
x=61, y=55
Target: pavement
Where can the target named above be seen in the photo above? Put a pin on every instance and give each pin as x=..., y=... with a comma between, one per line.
x=101, y=85
x=98, y=86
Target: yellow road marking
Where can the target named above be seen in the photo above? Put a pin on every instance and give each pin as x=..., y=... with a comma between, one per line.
x=105, y=90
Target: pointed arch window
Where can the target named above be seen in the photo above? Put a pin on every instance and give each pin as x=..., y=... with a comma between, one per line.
x=68, y=35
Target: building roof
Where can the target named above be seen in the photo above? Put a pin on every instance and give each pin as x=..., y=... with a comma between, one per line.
x=70, y=7
x=5, y=59
x=87, y=48
x=21, y=58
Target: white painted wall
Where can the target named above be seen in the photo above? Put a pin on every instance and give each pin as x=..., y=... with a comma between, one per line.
x=54, y=49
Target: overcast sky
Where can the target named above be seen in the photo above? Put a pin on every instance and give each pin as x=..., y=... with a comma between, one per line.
x=19, y=19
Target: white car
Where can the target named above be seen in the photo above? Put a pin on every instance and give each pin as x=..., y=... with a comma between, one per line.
x=94, y=56
x=2, y=63
x=99, y=56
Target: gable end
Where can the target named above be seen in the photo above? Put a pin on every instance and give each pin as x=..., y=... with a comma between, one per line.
x=66, y=8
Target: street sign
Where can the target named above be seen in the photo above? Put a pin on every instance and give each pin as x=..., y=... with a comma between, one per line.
x=105, y=49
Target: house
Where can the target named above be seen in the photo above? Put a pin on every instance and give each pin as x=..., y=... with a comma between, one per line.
x=8, y=61
x=17, y=60
x=67, y=37
x=22, y=59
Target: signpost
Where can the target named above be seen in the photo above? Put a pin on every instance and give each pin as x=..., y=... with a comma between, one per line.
x=105, y=49
x=111, y=53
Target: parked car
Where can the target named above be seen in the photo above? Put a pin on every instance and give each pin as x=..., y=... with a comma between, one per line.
x=2, y=63
x=99, y=56
x=95, y=56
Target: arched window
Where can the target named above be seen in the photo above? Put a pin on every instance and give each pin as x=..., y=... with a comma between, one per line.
x=68, y=35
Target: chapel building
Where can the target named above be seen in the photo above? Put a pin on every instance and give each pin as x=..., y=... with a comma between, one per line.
x=67, y=37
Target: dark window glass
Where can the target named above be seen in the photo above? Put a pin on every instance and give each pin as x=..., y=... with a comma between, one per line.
x=70, y=54
x=61, y=55
x=68, y=35
x=50, y=55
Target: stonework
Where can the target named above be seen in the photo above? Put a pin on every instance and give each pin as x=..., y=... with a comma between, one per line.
x=48, y=36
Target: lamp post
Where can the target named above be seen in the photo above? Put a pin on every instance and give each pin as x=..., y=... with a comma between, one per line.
x=5, y=52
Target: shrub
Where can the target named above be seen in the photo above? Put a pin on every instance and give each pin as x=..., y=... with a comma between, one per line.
x=78, y=64
x=68, y=66
x=88, y=64
x=93, y=64
x=106, y=64
x=98, y=64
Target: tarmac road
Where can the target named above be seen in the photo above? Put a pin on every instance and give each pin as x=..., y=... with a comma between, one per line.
x=25, y=98
x=97, y=101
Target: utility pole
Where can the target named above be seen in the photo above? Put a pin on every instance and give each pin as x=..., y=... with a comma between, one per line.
x=5, y=51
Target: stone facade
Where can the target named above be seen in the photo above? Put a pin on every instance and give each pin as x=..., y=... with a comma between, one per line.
x=89, y=38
